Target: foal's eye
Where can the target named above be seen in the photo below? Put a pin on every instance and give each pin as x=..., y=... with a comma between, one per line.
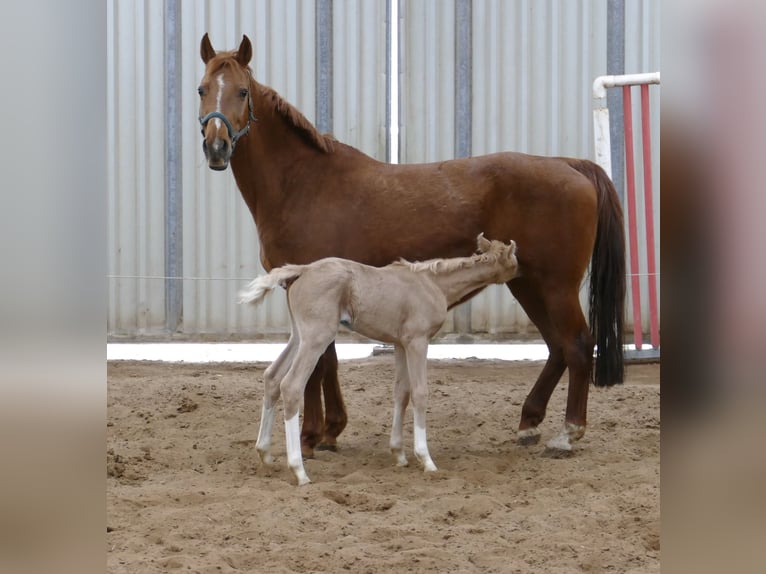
x=200, y=91
x=242, y=92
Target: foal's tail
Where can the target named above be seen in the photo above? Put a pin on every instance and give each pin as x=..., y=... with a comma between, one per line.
x=607, y=278
x=259, y=287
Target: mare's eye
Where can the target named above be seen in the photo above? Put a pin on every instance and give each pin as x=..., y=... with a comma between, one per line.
x=242, y=92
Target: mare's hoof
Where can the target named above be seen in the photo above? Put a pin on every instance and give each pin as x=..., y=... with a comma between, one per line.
x=528, y=437
x=307, y=452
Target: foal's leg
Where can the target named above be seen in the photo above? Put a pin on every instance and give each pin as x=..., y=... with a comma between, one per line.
x=529, y=296
x=271, y=379
x=401, y=398
x=416, y=352
x=310, y=347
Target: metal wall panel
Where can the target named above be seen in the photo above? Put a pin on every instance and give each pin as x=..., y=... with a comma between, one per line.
x=359, y=75
x=221, y=249
x=135, y=116
x=533, y=62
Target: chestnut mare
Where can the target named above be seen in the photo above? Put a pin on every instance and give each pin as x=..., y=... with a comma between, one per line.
x=313, y=197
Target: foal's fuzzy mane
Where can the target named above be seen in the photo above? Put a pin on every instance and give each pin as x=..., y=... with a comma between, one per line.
x=292, y=115
x=496, y=251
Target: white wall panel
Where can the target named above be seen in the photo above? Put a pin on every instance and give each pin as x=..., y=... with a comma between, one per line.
x=359, y=80
x=533, y=65
x=220, y=238
x=135, y=116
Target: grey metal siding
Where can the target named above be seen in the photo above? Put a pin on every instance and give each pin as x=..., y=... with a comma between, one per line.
x=533, y=63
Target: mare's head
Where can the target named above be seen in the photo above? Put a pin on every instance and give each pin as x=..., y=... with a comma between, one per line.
x=503, y=254
x=225, y=106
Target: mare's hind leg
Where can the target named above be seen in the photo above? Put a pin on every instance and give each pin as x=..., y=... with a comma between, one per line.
x=536, y=403
x=577, y=346
x=335, y=410
x=401, y=398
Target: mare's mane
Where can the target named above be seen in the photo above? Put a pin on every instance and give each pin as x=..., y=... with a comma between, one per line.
x=495, y=252
x=323, y=142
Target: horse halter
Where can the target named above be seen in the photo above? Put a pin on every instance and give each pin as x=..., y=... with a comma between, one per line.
x=233, y=135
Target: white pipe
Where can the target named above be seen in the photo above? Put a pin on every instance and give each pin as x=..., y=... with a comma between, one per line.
x=601, y=138
x=601, y=83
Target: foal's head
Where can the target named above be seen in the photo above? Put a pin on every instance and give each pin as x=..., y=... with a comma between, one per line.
x=225, y=107
x=502, y=254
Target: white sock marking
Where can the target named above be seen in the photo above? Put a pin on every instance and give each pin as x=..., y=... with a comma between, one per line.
x=294, y=456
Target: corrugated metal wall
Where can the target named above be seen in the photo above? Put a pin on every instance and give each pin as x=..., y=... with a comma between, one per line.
x=533, y=62
x=135, y=112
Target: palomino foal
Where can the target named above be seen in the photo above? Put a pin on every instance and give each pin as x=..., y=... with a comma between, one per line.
x=403, y=303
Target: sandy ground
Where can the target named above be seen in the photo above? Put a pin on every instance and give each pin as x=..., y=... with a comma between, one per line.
x=186, y=491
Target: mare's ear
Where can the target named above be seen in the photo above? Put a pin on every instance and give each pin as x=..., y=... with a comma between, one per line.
x=244, y=52
x=206, y=49
x=482, y=243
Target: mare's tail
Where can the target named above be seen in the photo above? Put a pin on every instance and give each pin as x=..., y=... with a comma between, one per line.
x=607, y=278
x=259, y=287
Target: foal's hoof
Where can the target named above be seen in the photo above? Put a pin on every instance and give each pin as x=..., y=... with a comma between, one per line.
x=528, y=437
x=325, y=445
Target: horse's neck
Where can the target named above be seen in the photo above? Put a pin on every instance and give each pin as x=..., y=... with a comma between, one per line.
x=264, y=158
x=457, y=283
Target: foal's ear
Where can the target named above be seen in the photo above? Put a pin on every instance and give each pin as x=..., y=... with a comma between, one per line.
x=206, y=49
x=482, y=243
x=244, y=52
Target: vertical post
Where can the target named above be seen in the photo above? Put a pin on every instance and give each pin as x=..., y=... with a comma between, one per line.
x=173, y=188
x=324, y=66
x=649, y=210
x=463, y=116
x=632, y=225
x=615, y=65
x=389, y=71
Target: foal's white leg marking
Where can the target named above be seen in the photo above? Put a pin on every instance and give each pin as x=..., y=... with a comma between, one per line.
x=421, y=445
x=416, y=367
x=563, y=440
x=218, y=96
x=263, y=444
x=294, y=456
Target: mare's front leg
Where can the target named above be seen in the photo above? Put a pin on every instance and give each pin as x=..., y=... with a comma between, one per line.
x=335, y=410
x=416, y=352
x=401, y=398
x=313, y=417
